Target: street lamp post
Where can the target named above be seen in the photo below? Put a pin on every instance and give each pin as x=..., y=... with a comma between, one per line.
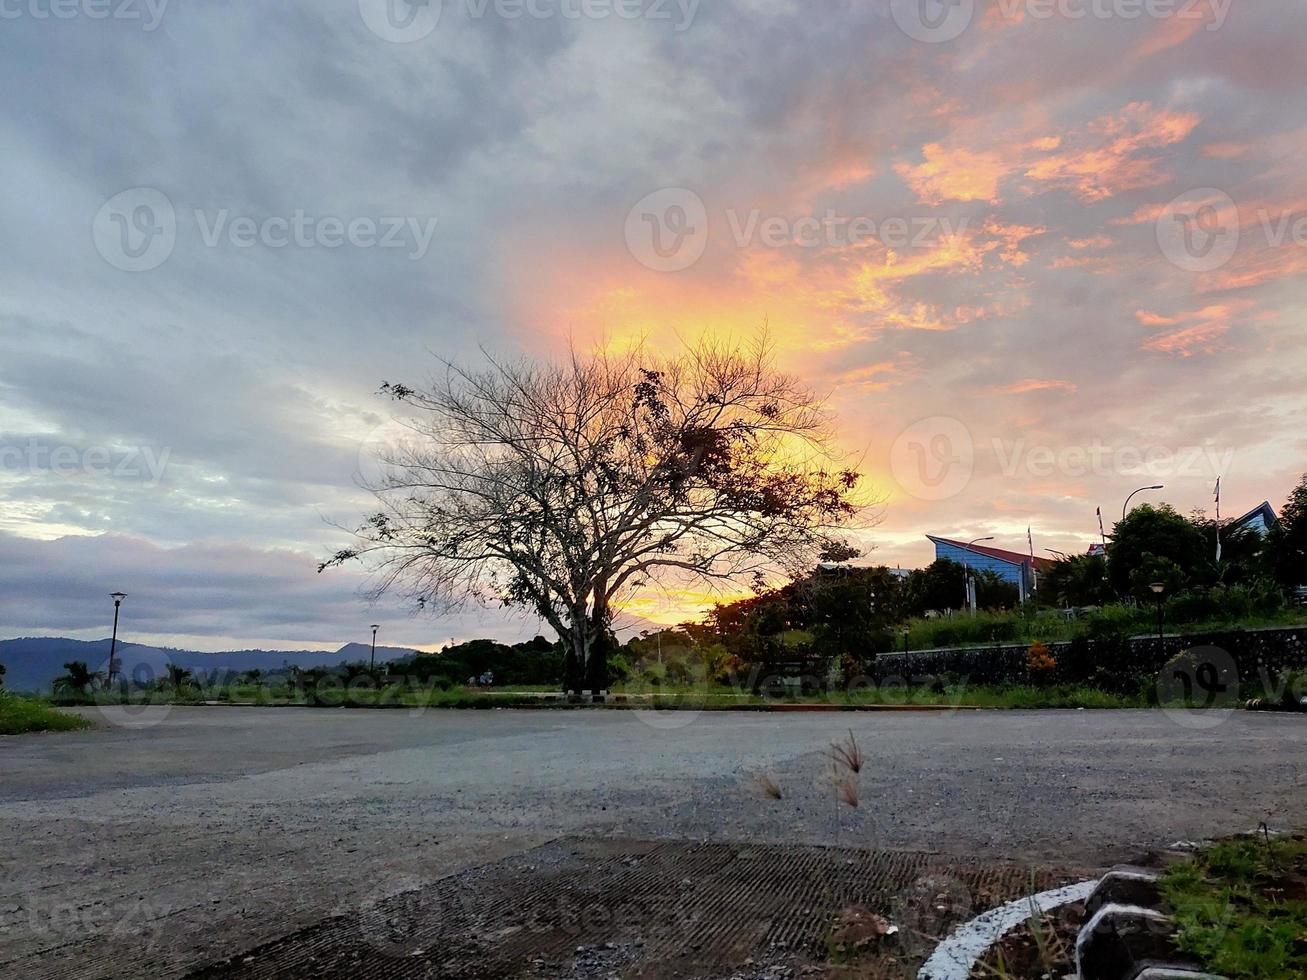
x=1159, y=588
x=1125, y=508
x=375, y=627
x=966, y=570
x=906, y=631
x=117, y=598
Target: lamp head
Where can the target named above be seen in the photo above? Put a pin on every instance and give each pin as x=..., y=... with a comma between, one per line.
x=118, y=596
x=1158, y=588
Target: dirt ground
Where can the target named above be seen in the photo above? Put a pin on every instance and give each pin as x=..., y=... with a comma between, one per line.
x=210, y=832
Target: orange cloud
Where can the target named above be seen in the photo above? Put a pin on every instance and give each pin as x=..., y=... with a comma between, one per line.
x=1174, y=31
x=1112, y=154
x=1092, y=242
x=1227, y=150
x=958, y=174
x=1117, y=159
x=1198, y=331
x=1034, y=385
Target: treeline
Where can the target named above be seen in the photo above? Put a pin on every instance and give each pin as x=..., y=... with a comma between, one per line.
x=1157, y=546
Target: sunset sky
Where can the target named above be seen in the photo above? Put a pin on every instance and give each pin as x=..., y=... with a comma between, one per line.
x=1038, y=253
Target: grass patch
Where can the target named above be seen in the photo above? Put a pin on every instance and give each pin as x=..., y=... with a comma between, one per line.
x=1241, y=906
x=20, y=716
x=987, y=629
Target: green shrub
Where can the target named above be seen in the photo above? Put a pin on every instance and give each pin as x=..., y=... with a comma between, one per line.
x=20, y=716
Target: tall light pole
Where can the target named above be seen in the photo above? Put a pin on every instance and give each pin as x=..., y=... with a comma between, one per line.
x=1125, y=508
x=966, y=571
x=1158, y=588
x=117, y=598
x=375, y=627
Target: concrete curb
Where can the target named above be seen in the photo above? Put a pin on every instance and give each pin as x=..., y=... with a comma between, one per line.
x=561, y=705
x=958, y=954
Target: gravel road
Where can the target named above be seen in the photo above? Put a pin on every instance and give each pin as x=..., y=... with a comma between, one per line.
x=149, y=851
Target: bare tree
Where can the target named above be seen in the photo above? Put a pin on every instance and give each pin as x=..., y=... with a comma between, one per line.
x=566, y=487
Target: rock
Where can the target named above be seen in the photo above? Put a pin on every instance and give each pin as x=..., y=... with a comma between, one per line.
x=860, y=927
x=1120, y=941
x=1125, y=885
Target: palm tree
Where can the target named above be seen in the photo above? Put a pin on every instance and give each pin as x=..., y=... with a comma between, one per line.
x=77, y=681
x=251, y=676
x=178, y=676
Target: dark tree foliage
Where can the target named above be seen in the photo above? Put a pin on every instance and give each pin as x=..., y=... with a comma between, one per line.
x=1159, y=532
x=941, y=586
x=537, y=662
x=1080, y=581
x=1289, y=539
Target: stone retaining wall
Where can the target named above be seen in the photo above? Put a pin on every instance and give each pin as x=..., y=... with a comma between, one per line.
x=1258, y=658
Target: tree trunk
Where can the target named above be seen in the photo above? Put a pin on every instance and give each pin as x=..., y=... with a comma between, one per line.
x=601, y=640
x=574, y=665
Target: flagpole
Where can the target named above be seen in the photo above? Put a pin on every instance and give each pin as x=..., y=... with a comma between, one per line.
x=1034, y=580
x=1218, y=520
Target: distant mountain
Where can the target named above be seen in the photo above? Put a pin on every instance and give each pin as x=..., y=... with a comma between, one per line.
x=34, y=662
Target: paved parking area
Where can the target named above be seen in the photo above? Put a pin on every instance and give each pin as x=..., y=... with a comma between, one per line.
x=154, y=851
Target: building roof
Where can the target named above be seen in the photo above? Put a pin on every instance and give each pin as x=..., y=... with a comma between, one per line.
x=1011, y=557
x=1263, y=510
